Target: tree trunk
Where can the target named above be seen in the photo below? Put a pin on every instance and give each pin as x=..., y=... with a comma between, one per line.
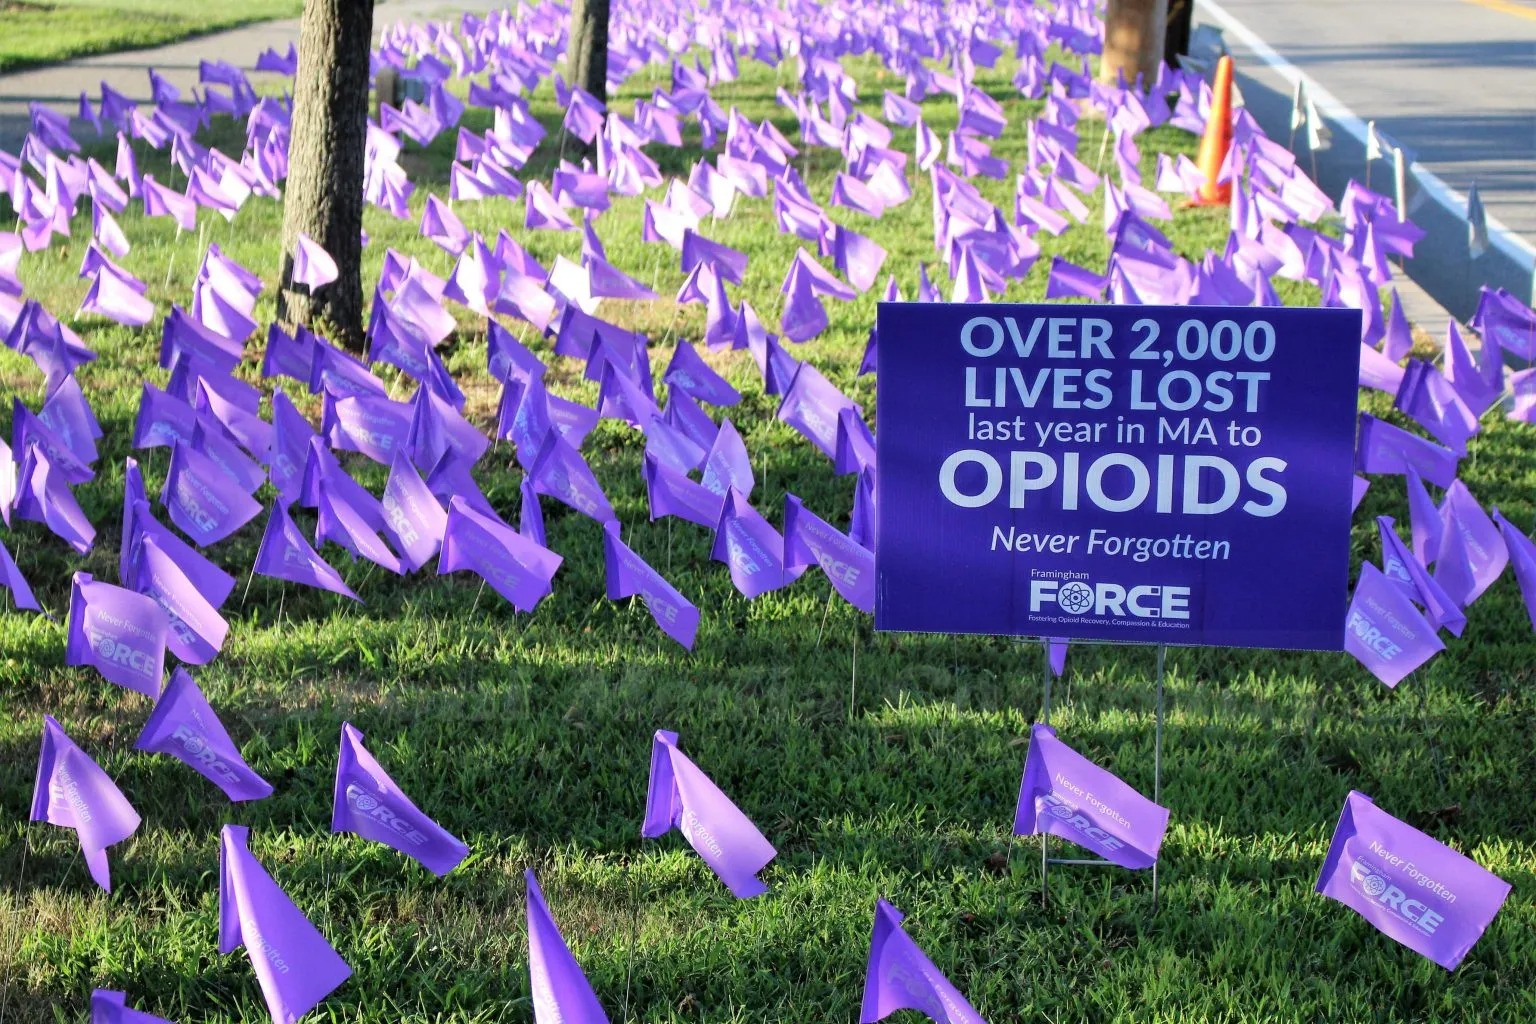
x=588, y=47
x=1181, y=16
x=1133, y=40
x=324, y=194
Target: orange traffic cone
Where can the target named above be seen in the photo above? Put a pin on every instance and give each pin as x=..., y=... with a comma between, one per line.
x=1217, y=139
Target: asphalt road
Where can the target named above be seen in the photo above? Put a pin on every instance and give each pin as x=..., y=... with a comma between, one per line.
x=1452, y=81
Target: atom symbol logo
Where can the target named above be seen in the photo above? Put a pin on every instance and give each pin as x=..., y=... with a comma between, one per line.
x=1075, y=598
x=1375, y=885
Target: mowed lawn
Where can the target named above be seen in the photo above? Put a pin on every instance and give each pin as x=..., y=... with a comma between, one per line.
x=36, y=32
x=879, y=765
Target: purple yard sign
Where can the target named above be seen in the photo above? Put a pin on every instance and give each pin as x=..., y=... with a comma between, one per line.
x=1175, y=475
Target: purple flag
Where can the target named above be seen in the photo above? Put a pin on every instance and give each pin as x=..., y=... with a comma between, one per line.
x=11, y=579
x=140, y=524
x=415, y=518
x=373, y=425
x=1408, y=885
x=43, y=496
x=1384, y=631
x=296, y=967
x=901, y=977
x=561, y=991
x=1431, y=400
x=72, y=791
x=1067, y=795
x=530, y=517
x=7, y=482
x=811, y=405
x=682, y=796
x=29, y=431
x=689, y=372
x=343, y=522
x=672, y=493
x=120, y=633
x=1068, y=280
x=671, y=446
x=184, y=726
x=809, y=540
x=285, y=555
x=163, y=419
x=196, y=629
x=629, y=574
x=516, y=568
x=291, y=437
x=752, y=548
x=206, y=503
x=1383, y=448
x=1485, y=552
x=110, y=1007
x=727, y=465
x=507, y=358
x=113, y=295
x=1522, y=553
x=313, y=267
x=369, y=804
x=562, y=473
x=1402, y=567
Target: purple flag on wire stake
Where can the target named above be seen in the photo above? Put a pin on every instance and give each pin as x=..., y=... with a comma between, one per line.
x=296, y=967
x=185, y=726
x=1522, y=554
x=690, y=373
x=139, y=525
x=1408, y=885
x=11, y=579
x=45, y=496
x=1056, y=652
x=727, y=464
x=751, y=547
x=313, y=267
x=1384, y=631
x=629, y=574
x=415, y=518
x=110, y=1007
x=1431, y=400
x=1402, y=567
x=671, y=446
x=196, y=630
x=120, y=633
x=285, y=555
x=343, y=522
x=901, y=977
x=1383, y=448
x=1485, y=552
x=563, y=474
x=1067, y=795
x=680, y=795
x=811, y=405
x=72, y=791
x=671, y=493
x=206, y=503
x=809, y=540
x=368, y=803
x=113, y=295
x=516, y=568
x=561, y=991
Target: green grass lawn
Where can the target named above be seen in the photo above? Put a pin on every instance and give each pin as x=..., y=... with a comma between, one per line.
x=879, y=765
x=49, y=31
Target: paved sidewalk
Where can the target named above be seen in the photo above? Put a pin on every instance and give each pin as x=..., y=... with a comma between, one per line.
x=59, y=85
